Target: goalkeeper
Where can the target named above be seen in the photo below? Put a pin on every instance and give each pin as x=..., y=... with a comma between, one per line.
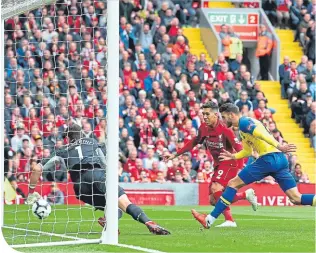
x=85, y=160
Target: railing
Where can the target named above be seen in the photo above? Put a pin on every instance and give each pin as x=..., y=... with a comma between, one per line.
x=208, y=3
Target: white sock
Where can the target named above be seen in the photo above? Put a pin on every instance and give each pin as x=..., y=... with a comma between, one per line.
x=210, y=219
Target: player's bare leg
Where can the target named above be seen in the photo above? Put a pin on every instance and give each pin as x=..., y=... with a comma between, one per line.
x=300, y=199
x=138, y=214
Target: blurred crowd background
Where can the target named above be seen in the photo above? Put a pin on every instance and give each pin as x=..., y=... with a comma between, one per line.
x=55, y=71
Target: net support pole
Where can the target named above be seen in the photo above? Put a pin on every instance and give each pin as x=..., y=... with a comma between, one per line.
x=2, y=121
x=110, y=235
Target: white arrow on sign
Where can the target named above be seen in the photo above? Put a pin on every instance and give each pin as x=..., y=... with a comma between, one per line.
x=233, y=19
x=241, y=19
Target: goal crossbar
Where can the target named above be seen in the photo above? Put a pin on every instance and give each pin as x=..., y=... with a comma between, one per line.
x=11, y=8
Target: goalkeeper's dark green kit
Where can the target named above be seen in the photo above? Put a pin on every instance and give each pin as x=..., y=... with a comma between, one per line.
x=86, y=163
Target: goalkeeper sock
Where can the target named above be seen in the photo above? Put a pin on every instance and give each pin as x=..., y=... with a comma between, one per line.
x=308, y=200
x=224, y=201
x=239, y=196
x=137, y=213
x=120, y=213
x=227, y=212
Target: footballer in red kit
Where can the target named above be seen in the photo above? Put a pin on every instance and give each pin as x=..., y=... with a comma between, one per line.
x=216, y=136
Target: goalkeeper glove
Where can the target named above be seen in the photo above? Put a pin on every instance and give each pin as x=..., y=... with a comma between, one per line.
x=32, y=198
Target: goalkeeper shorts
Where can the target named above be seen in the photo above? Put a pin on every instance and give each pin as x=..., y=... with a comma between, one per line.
x=91, y=188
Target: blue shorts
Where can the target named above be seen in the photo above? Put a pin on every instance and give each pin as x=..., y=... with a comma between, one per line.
x=272, y=164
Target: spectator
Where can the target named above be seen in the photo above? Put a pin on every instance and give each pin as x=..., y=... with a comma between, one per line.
x=160, y=178
x=55, y=196
x=310, y=116
x=200, y=178
x=183, y=86
x=302, y=67
x=283, y=68
x=244, y=100
x=235, y=64
x=264, y=48
x=17, y=140
x=302, y=29
x=299, y=101
x=283, y=12
x=310, y=39
x=179, y=47
x=259, y=112
x=150, y=159
x=312, y=133
x=277, y=135
x=270, y=8
x=289, y=81
x=143, y=178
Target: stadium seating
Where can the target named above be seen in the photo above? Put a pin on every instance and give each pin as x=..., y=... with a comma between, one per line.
x=288, y=46
x=290, y=130
x=197, y=46
x=92, y=92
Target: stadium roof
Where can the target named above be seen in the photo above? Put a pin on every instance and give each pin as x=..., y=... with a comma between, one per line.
x=11, y=8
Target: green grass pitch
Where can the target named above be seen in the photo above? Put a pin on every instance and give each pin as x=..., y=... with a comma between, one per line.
x=270, y=229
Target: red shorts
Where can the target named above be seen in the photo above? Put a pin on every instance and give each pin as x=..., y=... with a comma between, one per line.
x=224, y=172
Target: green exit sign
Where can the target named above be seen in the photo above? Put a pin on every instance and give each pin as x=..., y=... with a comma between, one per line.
x=228, y=18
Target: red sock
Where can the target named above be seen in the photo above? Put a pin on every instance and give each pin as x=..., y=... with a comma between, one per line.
x=239, y=196
x=227, y=213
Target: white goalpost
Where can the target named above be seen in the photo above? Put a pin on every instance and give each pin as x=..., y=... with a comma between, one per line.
x=68, y=224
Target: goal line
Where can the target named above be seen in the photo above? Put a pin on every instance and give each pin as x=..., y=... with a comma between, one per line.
x=75, y=240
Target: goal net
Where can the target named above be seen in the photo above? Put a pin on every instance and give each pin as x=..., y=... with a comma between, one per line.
x=55, y=72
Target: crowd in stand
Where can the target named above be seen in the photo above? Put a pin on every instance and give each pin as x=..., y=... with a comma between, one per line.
x=163, y=86
x=298, y=80
x=298, y=15
x=55, y=61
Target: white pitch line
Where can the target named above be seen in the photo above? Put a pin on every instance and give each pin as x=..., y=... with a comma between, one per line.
x=248, y=211
x=140, y=248
x=252, y=219
x=77, y=241
x=44, y=233
x=47, y=244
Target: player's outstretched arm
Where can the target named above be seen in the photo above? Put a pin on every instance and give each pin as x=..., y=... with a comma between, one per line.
x=287, y=148
x=187, y=147
x=245, y=152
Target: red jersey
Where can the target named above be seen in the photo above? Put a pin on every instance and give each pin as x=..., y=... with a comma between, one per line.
x=171, y=172
x=215, y=139
x=130, y=167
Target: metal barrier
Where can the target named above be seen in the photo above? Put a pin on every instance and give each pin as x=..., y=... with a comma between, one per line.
x=208, y=3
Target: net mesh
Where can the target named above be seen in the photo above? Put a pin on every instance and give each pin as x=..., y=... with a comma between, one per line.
x=55, y=75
